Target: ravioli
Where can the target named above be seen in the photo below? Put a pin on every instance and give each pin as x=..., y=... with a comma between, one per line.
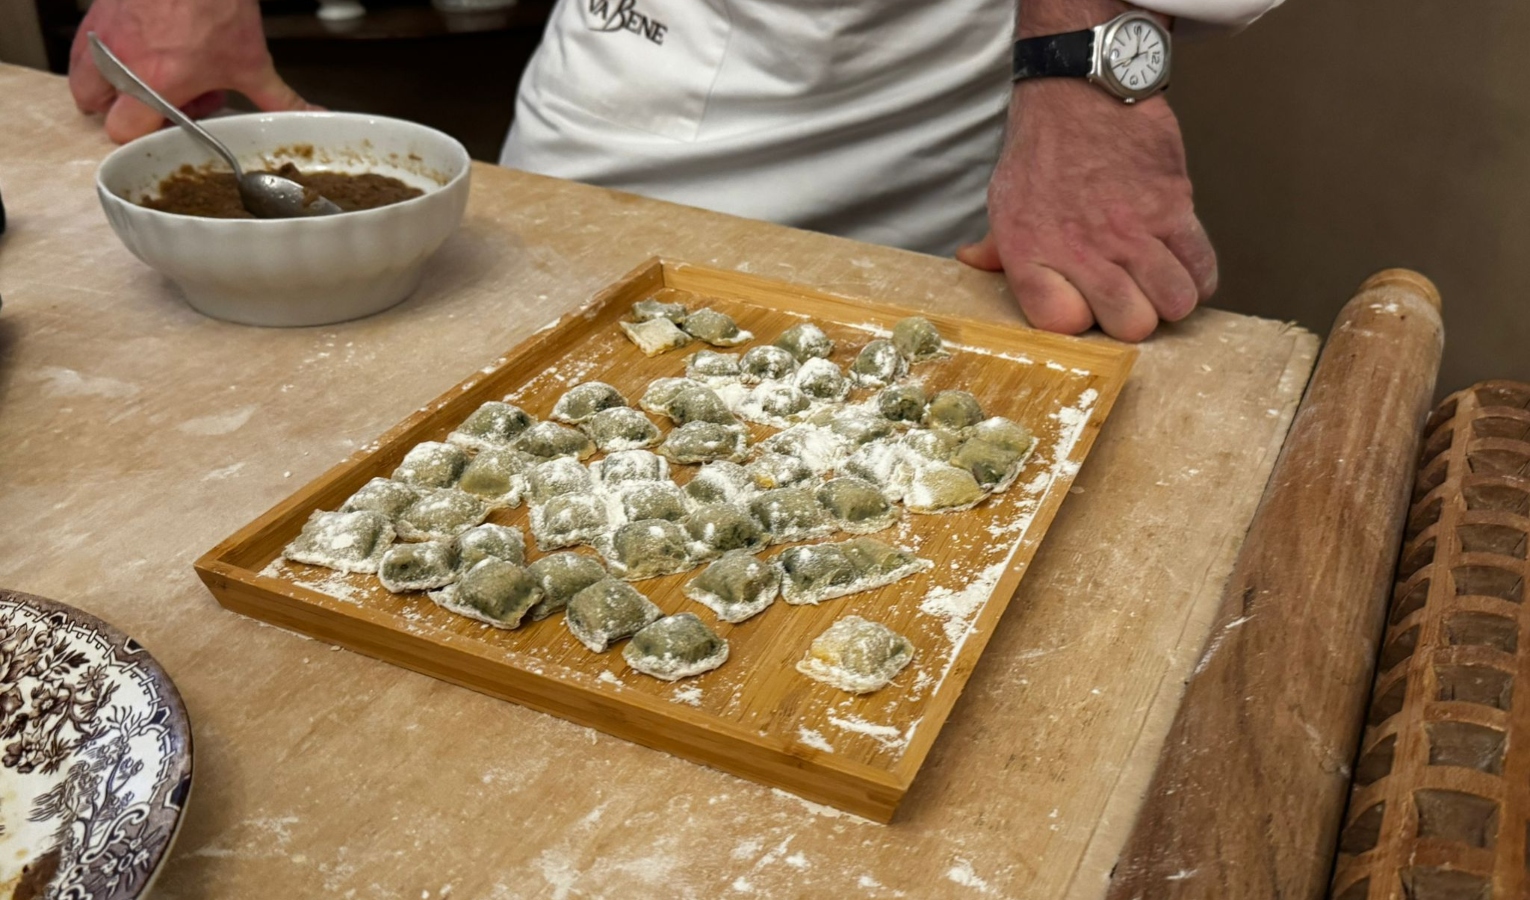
x=878, y=564
x=346, y=541
x=737, y=586
x=418, y=567
x=821, y=380
x=582, y=401
x=778, y=470
x=697, y=442
x=567, y=520
x=820, y=449
x=560, y=576
x=720, y=481
x=494, y=424
x=608, y=611
x=675, y=647
x=806, y=341
x=663, y=305
x=718, y=528
x=717, y=329
x=382, y=495
x=857, y=655
x=766, y=364
x=493, y=592
x=621, y=428
x=652, y=500
x=942, y=488
x=490, y=541
x=878, y=364
x=856, y=505
x=497, y=477
x=709, y=366
x=815, y=573
x=648, y=549
x=902, y=403
x=555, y=477
x=431, y=465
x=889, y=464
x=549, y=440
x=441, y=515
x=953, y=411
x=790, y=514
x=628, y=466
x=655, y=336
x=918, y=340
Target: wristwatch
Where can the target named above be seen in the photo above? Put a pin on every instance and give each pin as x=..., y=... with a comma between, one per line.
x=1127, y=56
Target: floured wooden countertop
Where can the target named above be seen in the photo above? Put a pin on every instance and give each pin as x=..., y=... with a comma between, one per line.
x=134, y=433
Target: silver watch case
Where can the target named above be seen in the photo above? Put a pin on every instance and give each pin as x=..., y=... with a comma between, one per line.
x=1100, y=72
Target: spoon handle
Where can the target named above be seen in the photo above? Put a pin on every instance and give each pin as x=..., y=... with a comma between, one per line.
x=123, y=79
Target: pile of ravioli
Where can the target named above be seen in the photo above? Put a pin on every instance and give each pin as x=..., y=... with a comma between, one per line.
x=833, y=466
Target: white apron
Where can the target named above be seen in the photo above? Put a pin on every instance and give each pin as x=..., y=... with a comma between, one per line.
x=874, y=119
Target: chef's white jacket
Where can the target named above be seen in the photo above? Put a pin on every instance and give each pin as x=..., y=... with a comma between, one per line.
x=875, y=119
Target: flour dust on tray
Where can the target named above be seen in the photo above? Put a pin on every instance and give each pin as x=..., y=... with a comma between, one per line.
x=616, y=499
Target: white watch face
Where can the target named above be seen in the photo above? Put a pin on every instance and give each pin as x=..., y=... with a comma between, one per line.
x=1137, y=55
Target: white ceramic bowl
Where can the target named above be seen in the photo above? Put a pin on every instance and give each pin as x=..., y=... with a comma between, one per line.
x=293, y=271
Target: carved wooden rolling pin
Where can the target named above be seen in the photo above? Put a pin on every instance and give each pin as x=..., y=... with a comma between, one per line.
x=1442, y=786
x=1249, y=791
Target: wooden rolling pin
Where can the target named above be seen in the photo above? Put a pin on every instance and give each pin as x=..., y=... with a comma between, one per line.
x=1250, y=788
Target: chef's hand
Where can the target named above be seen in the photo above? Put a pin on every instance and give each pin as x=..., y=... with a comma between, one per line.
x=1090, y=215
x=189, y=51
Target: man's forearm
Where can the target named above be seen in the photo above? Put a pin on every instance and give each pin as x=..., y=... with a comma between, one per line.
x=1039, y=17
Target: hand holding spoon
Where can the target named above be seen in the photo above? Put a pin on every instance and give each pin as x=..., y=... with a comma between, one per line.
x=265, y=195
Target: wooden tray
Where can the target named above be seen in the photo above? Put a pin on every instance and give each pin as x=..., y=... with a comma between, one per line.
x=755, y=717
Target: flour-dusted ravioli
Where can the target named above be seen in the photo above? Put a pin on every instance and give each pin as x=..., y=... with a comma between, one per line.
x=821, y=380
x=941, y=488
x=582, y=401
x=494, y=592
x=790, y=514
x=655, y=336
x=953, y=411
x=717, y=528
x=698, y=403
x=661, y=392
x=497, y=476
x=774, y=403
x=564, y=475
x=766, y=364
x=441, y=515
x=857, y=656
x=805, y=341
x=903, y=403
x=675, y=647
x=652, y=500
x=549, y=440
x=859, y=426
x=717, y=329
x=709, y=366
x=696, y=442
x=647, y=549
x=668, y=303
x=815, y=573
x=431, y=465
x=878, y=563
x=561, y=576
x=887, y=463
x=494, y=424
x=879, y=363
x=856, y=505
x=738, y=586
x=568, y=520
x=778, y=470
x=720, y=481
x=347, y=541
x=486, y=541
x=418, y=567
x=918, y=340
x=629, y=465
x=1006, y=433
x=820, y=448
x=608, y=611
x=931, y=444
x=382, y=495
x=994, y=467
x=621, y=428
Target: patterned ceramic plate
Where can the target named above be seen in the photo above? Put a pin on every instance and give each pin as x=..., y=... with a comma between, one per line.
x=95, y=756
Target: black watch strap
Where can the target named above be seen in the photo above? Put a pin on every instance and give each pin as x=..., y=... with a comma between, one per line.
x=1068, y=55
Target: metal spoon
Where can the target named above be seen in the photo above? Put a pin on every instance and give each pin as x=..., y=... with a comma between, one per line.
x=265, y=195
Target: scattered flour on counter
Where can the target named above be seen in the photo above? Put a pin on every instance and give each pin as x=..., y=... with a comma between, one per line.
x=814, y=739
x=797, y=861
x=609, y=678
x=219, y=423
x=62, y=382
x=691, y=694
x=962, y=874
x=886, y=735
x=818, y=809
x=225, y=472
